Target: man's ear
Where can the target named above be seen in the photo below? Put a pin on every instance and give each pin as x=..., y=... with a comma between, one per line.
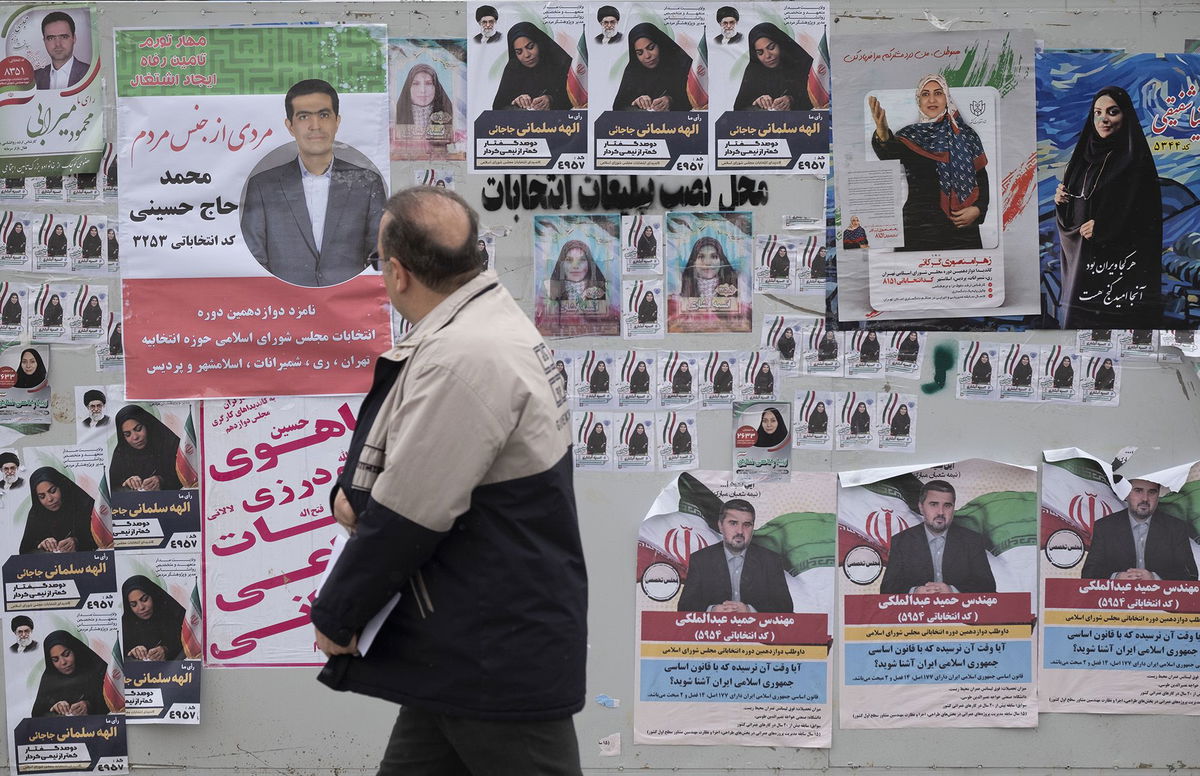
x=401, y=277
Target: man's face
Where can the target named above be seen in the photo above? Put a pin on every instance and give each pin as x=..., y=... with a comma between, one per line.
x=24, y=634
x=10, y=471
x=609, y=23
x=60, y=42
x=96, y=408
x=487, y=25
x=313, y=124
x=1142, y=499
x=937, y=510
x=737, y=529
x=728, y=25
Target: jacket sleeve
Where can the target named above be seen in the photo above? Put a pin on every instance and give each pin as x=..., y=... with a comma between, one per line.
x=442, y=425
x=254, y=221
x=979, y=571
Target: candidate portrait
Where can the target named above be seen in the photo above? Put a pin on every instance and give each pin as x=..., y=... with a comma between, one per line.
x=937, y=556
x=1139, y=541
x=313, y=220
x=736, y=575
x=65, y=68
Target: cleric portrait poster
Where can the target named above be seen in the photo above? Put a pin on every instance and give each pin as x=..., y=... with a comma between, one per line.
x=231, y=286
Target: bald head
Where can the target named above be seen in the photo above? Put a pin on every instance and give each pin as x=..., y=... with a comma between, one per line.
x=433, y=233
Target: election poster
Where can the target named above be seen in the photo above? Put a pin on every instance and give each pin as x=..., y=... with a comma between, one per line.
x=63, y=688
x=162, y=637
x=527, y=90
x=934, y=171
x=769, y=70
x=938, y=596
x=577, y=274
x=1121, y=602
x=734, y=594
x=762, y=437
x=595, y=439
x=52, y=110
x=1117, y=173
x=650, y=90
x=268, y=533
x=233, y=285
x=429, y=89
x=708, y=268
x=25, y=389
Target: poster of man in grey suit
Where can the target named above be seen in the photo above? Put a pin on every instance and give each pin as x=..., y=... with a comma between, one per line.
x=313, y=220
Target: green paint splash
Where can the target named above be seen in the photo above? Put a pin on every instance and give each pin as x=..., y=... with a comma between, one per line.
x=977, y=70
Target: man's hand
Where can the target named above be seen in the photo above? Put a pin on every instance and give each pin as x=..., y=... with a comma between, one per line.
x=330, y=648
x=732, y=606
x=933, y=587
x=1141, y=574
x=343, y=512
x=1088, y=228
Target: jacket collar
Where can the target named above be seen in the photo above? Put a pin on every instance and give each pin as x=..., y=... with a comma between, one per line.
x=441, y=315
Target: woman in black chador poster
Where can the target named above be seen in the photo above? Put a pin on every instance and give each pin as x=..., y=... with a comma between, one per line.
x=60, y=519
x=868, y=351
x=981, y=373
x=723, y=379
x=786, y=344
x=1106, y=376
x=91, y=243
x=152, y=622
x=535, y=77
x=597, y=441
x=1064, y=374
x=1022, y=373
x=93, y=314
x=946, y=170
x=15, y=244
x=598, y=382
x=681, y=381
x=901, y=422
x=818, y=419
x=114, y=248
x=777, y=76
x=910, y=348
x=144, y=458
x=57, y=244
x=647, y=244
x=860, y=420
x=52, y=315
x=827, y=348
x=648, y=309
x=639, y=381
x=115, y=346
x=656, y=77
x=781, y=265
x=764, y=381
x=32, y=374
x=772, y=431
x=1110, y=221
x=72, y=683
x=12, y=311
x=681, y=441
x=639, y=443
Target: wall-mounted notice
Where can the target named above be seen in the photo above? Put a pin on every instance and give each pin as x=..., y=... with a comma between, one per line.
x=1121, y=604
x=734, y=598
x=240, y=278
x=938, y=596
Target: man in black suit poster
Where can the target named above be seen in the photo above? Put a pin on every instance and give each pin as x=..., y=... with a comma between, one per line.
x=736, y=575
x=937, y=556
x=1139, y=542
